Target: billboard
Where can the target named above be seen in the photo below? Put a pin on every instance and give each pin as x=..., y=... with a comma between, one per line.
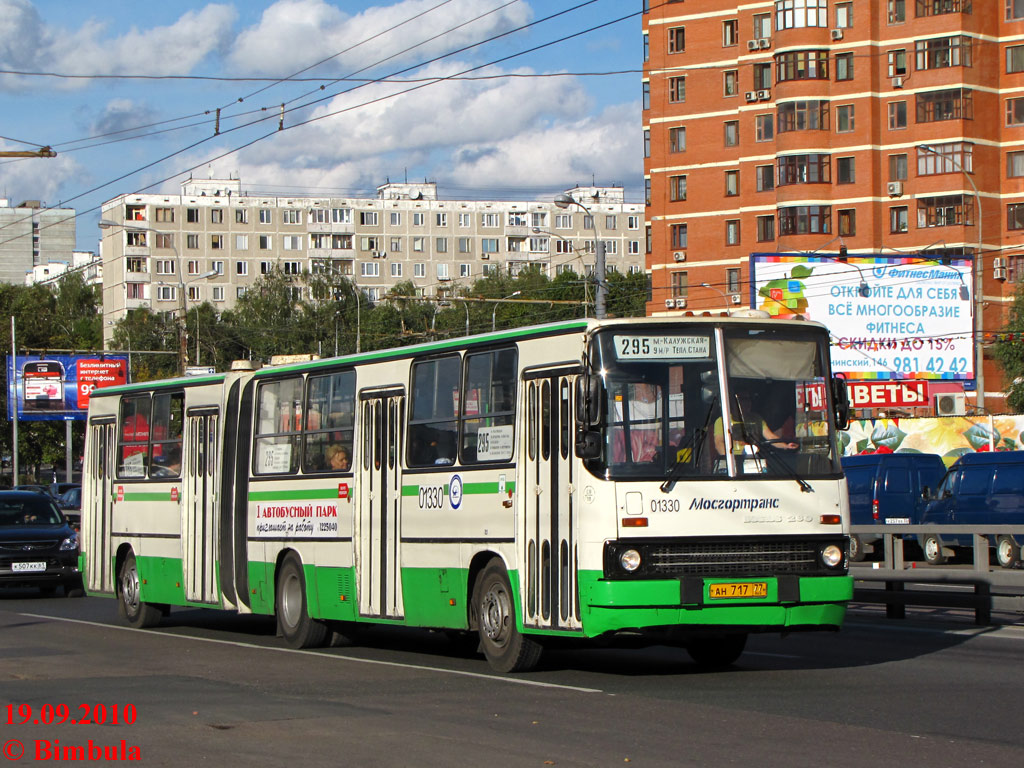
x=57, y=387
x=890, y=317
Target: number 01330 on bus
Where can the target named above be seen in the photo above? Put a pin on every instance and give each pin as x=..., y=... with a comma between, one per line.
x=677, y=479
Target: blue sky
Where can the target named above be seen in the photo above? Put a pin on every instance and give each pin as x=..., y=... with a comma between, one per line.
x=127, y=93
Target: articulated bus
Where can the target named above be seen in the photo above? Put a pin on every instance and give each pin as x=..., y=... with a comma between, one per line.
x=571, y=480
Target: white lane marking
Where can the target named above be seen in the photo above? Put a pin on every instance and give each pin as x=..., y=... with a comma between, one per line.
x=322, y=655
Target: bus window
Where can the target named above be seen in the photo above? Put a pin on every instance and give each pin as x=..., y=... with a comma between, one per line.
x=165, y=435
x=330, y=414
x=433, y=425
x=133, y=437
x=279, y=420
x=489, y=407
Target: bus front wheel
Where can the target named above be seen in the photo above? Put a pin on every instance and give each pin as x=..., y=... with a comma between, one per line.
x=506, y=648
x=137, y=613
x=296, y=626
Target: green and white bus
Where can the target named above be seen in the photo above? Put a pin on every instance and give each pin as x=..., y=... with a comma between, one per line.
x=568, y=480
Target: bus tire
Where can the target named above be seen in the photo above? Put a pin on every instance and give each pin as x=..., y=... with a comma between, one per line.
x=1007, y=552
x=506, y=648
x=136, y=613
x=296, y=626
x=716, y=651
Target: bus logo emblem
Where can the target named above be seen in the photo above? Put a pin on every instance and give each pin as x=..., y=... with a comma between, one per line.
x=455, y=491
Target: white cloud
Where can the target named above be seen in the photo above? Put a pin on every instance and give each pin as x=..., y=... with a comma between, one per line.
x=294, y=34
x=45, y=179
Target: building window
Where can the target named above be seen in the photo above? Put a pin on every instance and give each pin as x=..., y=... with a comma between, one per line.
x=395, y=218
x=765, y=229
x=1015, y=58
x=1015, y=164
x=645, y=102
x=677, y=139
x=791, y=14
x=441, y=244
x=730, y=82
x=218, y=293
x=216, y=242
x=680, y=285
x=762, y=25
x=730, y=33
x=192, y=241
x=266, y=216
x=950, y=104
x=940, y=7
x=341, y=215
x=762, y=77
x=676, y=39
x=1014, y=10
x=801, y=65
x=291, y=216
x=489, y=245
x=764, y=176
x=166, y=293
x=844, y=66
x=803, y=116
x=844, y=15
x=633, y=222
x=217, y=267
x=611, y=221
x=465, y=245
x=441, y=219
x=418, y=244
x=897, y=62
x=442, y=272
x=941, y=52
x=898, y=167
x=136, y=264
x=946, y=158
x=216, y=216
x=396, y=269
x=241, y=268
x=648, y=239
x=518, y=219
x=647, y=142
x=192, y=215
x=676, y=188
x=241, y=242
x=563, y=221
x=844, y=118
x=945, y=211
x=732, y=280
x=465, y=270
x=266, y=267
x=679, y=239
x=633, y=248
x=897, y=115
x=647, y=191
x=369, y=269
x=804, y=169
x=465, y=220
x=164, y=239
x=368, y=218
x=897, y=11
x=292, y=242
x=266, y=242
x=847, y=221
x=732, y=231
x=845, y=170
x=764, y=127
x=419, y=270
x=676, y=90
x=732, y=183
x=805, y=220
x=164, y=215
x=489, y=220
x=1015, y=111
x=1015, y=217
x=732, y=133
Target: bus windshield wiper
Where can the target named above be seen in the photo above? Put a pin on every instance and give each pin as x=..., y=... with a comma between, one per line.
x=689, y=452
x=774, y=458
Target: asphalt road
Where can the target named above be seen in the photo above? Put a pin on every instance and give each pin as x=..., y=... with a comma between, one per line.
x=209, y=688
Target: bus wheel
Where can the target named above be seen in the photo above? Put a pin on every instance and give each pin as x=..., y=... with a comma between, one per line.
x=506, y=648
x=1007, y=552
x=932, y=548
x=716, y=652
x=137, y=613
x=297, y=628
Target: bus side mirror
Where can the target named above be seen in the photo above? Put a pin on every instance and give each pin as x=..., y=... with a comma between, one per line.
x=588, y=400
x=588, y=443
x=841, y=401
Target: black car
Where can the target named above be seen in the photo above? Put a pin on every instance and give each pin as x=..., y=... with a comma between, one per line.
x=70, y=503
x=37, y=545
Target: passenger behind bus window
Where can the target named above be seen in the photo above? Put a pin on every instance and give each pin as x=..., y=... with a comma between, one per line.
x=338, y=458
x=168, y=464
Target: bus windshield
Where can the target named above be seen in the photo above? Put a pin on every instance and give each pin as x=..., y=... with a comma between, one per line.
x=669, y=396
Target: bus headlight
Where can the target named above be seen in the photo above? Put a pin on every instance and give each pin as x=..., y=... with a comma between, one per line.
x=629, y=560
x=832, y=556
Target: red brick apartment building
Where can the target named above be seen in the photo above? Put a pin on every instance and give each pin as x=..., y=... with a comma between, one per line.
x=798, y=125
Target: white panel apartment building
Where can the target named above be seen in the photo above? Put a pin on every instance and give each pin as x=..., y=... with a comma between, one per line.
x=164, y=244
x=31, y=235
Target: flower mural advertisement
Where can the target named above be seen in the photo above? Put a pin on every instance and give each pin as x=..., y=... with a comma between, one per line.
x=890, y=317
x=950, y=437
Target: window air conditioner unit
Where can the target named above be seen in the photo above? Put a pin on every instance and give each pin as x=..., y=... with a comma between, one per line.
x=484, y=256
x=680, y=303
x=999, y=273
x=837, y=34
x=764, y=43
x=752, y=45
x=999, y=261
x=670, y=303
x=764, y=95
x=894, y=188
x=750, y=96
x=897, y=82
x=951, y=404
x=679, y=256
x=382, y=254
x=736, y=298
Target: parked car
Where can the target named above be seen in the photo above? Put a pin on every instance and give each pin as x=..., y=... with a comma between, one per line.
x=980, y=489
x=58, y=489
x=888, y=489
x=37, y=545
x=70, y=503
x=43, y=489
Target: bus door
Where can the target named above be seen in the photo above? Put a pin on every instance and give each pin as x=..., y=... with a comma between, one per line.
x=97, y=505
x=549, y=522
x=199, y=505
x=378, y=556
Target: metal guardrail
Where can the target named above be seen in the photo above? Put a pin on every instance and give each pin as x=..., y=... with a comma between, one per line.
x=1001, y=589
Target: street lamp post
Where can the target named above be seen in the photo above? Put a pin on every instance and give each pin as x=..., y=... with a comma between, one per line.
x=494, y=314
x=564, y=200
x=979, y=274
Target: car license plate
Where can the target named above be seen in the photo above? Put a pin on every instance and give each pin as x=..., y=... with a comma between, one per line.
x=738, y=589
x=28, y=567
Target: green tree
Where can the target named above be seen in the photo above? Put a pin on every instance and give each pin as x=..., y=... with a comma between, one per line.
x=1009, y=353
